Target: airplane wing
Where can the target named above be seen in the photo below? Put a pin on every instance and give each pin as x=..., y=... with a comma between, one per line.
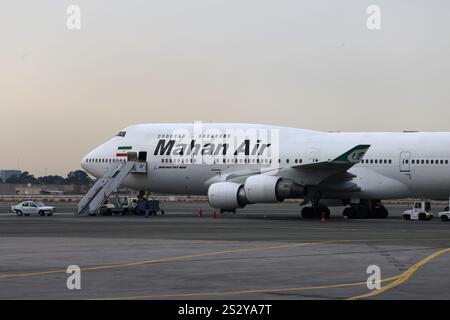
x=315, y=172
x=305, y=174
x=344, y=162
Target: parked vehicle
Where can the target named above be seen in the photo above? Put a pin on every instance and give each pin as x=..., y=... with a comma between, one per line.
x=148, y=207
x=445, y=215
x=32, y=207
x=420, y=211
x=115, y=205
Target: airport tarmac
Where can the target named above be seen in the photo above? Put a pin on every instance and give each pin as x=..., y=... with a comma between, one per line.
x=263, y=252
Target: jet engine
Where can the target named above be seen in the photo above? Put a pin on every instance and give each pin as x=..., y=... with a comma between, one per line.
x=229, y=196
x=263, y=189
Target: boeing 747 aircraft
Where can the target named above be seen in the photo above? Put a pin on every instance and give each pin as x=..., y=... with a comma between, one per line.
x=237, y=165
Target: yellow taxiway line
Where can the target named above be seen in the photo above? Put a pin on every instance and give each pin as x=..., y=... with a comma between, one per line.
x=145, y=262
x=402, y=277
x=223, y=293
x=396, y=280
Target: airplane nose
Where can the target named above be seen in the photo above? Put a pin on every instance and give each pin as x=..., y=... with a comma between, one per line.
x=86, y=161
x=83, y=163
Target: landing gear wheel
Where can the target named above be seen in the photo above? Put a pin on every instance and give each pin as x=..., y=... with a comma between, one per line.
x=381, y=213
x=350, y=213
x=307, y=213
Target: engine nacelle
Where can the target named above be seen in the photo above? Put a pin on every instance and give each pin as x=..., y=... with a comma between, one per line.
x=264, y=189
x=261, y=188
x=227, y=195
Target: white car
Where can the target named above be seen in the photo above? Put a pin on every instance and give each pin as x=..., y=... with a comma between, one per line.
x=444, y=215
x=32, y=207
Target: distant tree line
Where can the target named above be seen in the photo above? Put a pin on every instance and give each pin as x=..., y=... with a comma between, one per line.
x=77, y=177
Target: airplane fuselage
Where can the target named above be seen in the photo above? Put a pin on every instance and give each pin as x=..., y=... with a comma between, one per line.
x=181, y=159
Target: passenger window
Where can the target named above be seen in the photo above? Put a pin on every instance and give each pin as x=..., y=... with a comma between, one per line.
x=427, y=161
x=287, y=160
x=432, y=161
x=446, y=161
x=390, y=161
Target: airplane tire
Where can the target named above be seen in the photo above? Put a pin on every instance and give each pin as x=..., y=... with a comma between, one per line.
x=381, y=213
x=307, y=213
x=363, y=212
x=350, y=213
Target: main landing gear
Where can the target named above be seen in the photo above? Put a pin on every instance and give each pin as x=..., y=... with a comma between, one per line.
x=315, y=212
x=366, y=210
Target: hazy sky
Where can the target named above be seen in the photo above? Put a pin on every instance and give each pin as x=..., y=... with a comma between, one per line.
x=310, y=64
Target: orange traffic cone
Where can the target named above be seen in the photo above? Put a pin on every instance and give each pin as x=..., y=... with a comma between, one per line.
x=322, y=217
x=214, y=214
x=200, y=214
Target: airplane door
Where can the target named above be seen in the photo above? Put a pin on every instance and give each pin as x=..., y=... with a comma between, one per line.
x=142, y=156
x=405, y=161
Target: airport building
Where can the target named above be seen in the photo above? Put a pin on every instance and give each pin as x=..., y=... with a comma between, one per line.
x=6, y=174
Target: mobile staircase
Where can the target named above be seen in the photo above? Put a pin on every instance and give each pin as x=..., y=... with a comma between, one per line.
x=108, y=184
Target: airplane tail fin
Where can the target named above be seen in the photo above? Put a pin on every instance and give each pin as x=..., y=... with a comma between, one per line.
x=353, y=155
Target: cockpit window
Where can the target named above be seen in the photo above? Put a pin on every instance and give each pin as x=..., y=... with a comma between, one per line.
x=121, y=134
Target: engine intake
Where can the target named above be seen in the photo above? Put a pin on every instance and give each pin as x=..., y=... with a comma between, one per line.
x=227, y=196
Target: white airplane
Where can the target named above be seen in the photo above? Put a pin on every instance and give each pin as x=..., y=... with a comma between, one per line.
x=240, y=164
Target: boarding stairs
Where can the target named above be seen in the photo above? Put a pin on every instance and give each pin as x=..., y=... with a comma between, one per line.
x=108, y=184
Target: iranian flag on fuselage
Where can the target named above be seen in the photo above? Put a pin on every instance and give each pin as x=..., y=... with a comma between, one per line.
x=122, y=151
